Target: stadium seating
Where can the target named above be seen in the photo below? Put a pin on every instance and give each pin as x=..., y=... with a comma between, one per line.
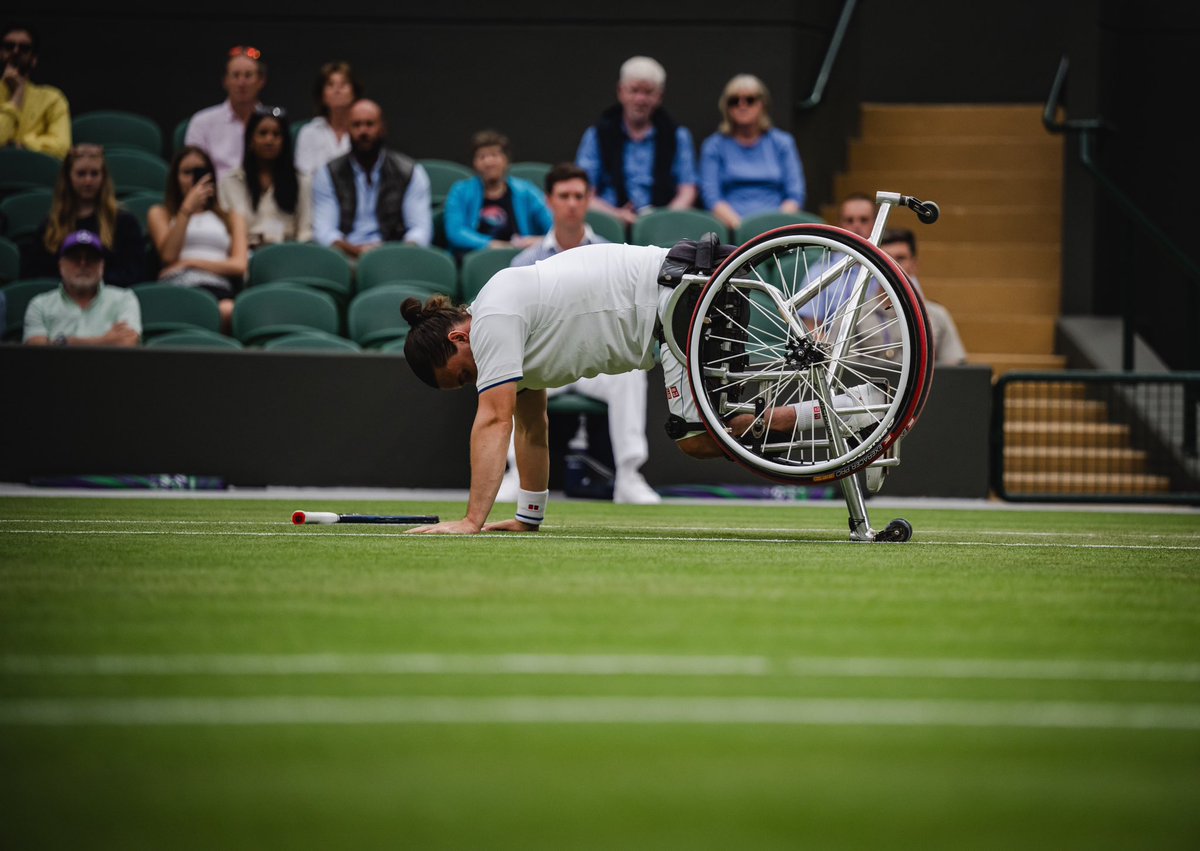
x=17, y=296
x=311, y=341
x=179, y=134
x=307, y=263
x=115, y=129
x=136, y=171
x=609, y=227
x=442, y=175
x=374, y=316
x=192, y=338
x=478, y=267
x=167, y=307
x=10, y=261
x=752, y=226
x=21, y=169
x=393, y=262
x=667, y=227
x=22, y=213
x=139, y=203
x=534, y=172
x=267, y=311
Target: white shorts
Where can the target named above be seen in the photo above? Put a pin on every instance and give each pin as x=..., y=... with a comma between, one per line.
x=680, y=401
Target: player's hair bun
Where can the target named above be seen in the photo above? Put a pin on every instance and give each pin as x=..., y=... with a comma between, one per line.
x=415, y=313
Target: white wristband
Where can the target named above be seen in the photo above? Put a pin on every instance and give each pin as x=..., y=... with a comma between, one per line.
x=531, y=506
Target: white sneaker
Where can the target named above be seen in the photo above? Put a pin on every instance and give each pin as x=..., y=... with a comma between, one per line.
x=509, y=486
x=632, y=489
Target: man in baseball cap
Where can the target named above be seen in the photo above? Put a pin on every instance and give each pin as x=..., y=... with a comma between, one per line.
x=83, y=311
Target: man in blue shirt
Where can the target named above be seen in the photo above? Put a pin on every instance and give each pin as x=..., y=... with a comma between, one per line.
x=636, y=157
x=371, y=195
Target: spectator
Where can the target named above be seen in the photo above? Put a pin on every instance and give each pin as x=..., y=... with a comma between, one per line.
x=327, y=136
x=373, y=194
x=748, y=166
x=636, y=157
x=31, y=116
x=948, y=348
x=568, y=194
x=221, y=130
x=494, y=210
x=199, y=243
x=83, y=311
x=85, y=199
x=274, y=201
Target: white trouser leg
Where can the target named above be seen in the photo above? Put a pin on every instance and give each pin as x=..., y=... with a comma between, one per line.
x=625, y=395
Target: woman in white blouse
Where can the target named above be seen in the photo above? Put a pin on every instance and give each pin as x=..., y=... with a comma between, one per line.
x=275, y=201
x=328, y=135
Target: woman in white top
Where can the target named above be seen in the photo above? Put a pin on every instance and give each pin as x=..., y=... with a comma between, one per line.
x=275, y=202
x=327, y=136
x=199, y=243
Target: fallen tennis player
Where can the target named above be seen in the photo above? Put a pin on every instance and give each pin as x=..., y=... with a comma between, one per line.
x=595, y=309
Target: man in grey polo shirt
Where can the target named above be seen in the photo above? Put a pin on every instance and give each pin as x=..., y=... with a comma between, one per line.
x=83, y=311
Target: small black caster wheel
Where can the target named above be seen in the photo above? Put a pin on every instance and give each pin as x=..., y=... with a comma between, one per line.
x=896, y=532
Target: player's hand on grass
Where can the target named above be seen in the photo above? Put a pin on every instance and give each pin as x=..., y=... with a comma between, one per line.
x=449, y=527
x=513, y=525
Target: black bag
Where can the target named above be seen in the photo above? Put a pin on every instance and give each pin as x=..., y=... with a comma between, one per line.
x=693, y=257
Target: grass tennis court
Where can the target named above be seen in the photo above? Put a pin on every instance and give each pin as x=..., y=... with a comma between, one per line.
x=201, y=674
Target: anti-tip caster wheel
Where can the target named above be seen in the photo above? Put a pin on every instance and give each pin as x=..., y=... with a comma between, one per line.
x=896, y=532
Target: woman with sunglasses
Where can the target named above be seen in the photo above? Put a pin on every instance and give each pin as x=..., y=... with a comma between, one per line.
x=200, y=243
x=275, y=202
x=85, y=199
x=748, y=166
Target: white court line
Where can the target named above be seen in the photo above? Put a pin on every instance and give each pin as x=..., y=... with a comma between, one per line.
x=542, y=664
x=550, y=535
x=596, y=710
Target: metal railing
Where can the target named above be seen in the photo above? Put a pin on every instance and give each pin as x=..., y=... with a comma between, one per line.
x=1087, y=129
x=1096, y=437
x=831, y=54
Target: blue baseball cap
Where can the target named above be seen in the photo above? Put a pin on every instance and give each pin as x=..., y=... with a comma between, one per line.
x=82, y=239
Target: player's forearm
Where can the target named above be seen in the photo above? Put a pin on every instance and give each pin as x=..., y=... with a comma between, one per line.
x=489, y=448
x=533, y=459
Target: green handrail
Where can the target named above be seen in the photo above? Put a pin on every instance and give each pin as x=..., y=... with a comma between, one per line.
x=835, y=45
x=1087, y=128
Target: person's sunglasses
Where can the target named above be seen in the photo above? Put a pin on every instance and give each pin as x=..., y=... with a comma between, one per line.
x=248, y=52
x=748, y=100
x=17, y=46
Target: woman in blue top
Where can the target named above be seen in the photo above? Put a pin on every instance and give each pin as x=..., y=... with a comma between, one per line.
x=748, y=166
x=493, y=210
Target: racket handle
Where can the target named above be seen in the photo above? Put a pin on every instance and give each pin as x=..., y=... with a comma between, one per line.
x=323, y=518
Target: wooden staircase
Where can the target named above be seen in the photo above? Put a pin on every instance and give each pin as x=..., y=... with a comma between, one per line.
x=993, y=258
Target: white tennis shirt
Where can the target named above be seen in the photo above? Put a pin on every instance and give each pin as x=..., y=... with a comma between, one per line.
x=583, y=312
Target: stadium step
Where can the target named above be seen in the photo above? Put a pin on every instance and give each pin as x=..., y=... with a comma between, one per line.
x=1046, y=391
x=963, y=153
x=1077, y=435
x=1055, y=410
x=1011, y=296
x=1085, y=484
x=1020, y=121
x=1003, y=223
x=1053, y=459
x=957, y=188
x=1029, y=335
x=1005, y=362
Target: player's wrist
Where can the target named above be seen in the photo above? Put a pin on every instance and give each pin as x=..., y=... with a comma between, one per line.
x=531, y=506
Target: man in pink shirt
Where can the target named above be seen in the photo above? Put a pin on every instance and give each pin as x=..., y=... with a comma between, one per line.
x=220, y=130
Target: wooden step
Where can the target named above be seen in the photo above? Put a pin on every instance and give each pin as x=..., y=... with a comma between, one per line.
x=988, y=260
x=1045, y=390
x=1042, y=409
x=1045, y=459
x=1029, y=335
x=1078, y=435
x=958, y=153
x=1012, y=296
x=956, y=187
x=1005, y=362
x=1086, y=484
x=998, y=223
x=884, y=121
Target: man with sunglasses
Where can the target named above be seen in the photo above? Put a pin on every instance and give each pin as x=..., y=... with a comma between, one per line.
x=31, y=116
x=220, y=130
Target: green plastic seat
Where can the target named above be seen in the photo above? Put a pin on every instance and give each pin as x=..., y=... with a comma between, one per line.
x=136, y=171
x=23, y=213
x=307, y=263
x=17, y=296
x=478, y=267
x=179, y=134
x=752, y=226
x=10, y=261
x=394, y=261
x=139, y=203
x=667, y=227
x=442, y=175
x=261, y=313
x=373, y=319
x=167, y=307
x=575, y=403
x=115, y=129
x=192, y=338
x=531, y=170
x=309, y=341
x=21, y=169
x=609, y=227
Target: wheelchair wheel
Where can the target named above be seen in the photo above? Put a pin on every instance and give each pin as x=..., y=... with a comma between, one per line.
x=819, y=320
